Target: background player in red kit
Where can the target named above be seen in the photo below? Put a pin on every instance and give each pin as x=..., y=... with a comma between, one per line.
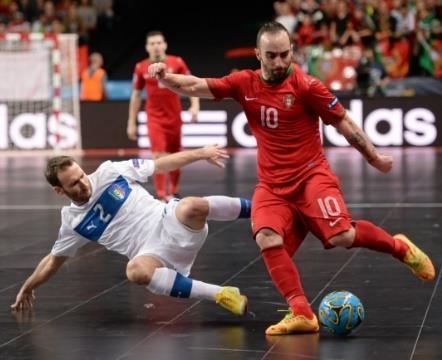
x=297, y=191
x=163, y=109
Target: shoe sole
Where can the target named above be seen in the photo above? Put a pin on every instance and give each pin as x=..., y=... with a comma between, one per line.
x=428, y=276
x=310, y=330
x=244, y=306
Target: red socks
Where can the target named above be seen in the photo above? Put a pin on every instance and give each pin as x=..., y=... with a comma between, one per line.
x=373, y=237
x=174, y=179
x=285, y=276
x=159, y=181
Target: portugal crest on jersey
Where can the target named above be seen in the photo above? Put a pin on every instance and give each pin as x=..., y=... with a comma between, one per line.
x=288, y=100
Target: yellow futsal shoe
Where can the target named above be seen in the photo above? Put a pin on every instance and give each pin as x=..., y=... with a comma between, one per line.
x=294, y=324
x=418, y=262
x=231, y=299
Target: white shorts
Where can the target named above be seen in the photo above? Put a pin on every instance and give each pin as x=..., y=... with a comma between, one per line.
x=173, y=243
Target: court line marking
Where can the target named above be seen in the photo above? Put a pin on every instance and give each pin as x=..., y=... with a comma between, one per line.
x=117, y=285
x=176, y=317
x=425, y=316
x=63, y=313
x=349, y=205
x=256, y=351
x=70, y=261
x=354, y=205
x=269, y=351
x=11, y=286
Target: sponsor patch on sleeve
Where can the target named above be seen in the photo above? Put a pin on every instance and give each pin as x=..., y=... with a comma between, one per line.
x=333, y=103
x=136, y=163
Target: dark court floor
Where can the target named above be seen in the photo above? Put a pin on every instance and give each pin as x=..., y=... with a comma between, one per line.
x=90, y=311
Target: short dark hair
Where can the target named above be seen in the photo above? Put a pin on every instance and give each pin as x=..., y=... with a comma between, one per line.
x=54, y=165
x=155, y=33
x=272, y=27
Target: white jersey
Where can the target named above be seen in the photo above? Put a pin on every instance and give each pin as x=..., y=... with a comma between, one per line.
x=120, y=215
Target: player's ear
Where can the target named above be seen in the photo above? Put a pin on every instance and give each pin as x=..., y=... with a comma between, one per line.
x=258, y=54
x=58, y=190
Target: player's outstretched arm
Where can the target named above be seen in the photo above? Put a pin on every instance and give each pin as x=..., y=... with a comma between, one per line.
x=187, y=85
x=134, y=107
x=194, y=108
x=214, y=154
x=47, y=267
x=357, y=138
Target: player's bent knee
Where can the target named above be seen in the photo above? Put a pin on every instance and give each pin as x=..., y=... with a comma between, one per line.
x=136, y=272
x=267, y=238
x=344, y=239
x=193, y=208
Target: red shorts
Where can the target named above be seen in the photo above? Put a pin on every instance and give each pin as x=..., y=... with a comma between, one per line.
x=318, y=206
x=164, y=139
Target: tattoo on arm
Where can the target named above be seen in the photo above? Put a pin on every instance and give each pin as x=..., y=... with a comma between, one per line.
x=358, y=141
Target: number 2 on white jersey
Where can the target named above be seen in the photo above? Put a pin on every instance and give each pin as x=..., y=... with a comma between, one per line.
x=269, y=117
x=100, y=209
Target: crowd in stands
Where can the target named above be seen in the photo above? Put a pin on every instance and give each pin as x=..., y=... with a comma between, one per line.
x=388, y=39
x=343, y=42
x=57, y=16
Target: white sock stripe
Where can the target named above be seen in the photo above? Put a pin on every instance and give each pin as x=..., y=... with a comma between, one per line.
x=223, y=208
x=162, y=281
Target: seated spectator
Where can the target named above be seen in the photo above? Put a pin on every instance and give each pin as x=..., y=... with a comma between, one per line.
x=305, y=32
x=284, y=15
x=311, y=8
x=371, y=75
x=88, y=15
x=93, y=80
x=396, y=58
x=340, y=23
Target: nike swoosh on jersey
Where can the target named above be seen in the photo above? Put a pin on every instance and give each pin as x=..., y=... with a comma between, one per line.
x=334, y=222
x=250, y=98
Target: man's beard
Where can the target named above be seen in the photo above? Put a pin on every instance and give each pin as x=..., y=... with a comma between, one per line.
x=279, y=75
x=276, y=76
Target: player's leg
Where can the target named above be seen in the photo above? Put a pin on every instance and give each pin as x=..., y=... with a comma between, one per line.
x=173, y=146
x=328, y=218
x=157, y=139
x=370, y=236
x=184, y=232
x=195, y=211
x=149, y=271
x=273, y=221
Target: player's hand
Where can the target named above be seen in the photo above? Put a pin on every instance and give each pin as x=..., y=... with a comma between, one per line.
x=131, y=131
x=24, y=300
x=193, y=114
x=157, y=70
x=215, y=155
x=383, y=163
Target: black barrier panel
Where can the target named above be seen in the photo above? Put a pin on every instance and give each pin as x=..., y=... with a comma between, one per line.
x=103, y=125
x=387, y=122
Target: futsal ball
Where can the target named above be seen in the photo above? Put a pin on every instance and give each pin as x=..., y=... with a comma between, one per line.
x=340, y=312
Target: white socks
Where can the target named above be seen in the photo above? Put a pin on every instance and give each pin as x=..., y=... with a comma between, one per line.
x=224, y=208
x=171, y=283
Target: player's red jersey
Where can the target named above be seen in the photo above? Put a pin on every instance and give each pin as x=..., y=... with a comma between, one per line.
x=284, y=118
x=162, y=105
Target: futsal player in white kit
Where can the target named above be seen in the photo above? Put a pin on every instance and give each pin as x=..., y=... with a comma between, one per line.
x=161, y=240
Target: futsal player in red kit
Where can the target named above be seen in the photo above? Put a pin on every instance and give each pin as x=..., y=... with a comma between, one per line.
x=297, y=191
x=163, y=109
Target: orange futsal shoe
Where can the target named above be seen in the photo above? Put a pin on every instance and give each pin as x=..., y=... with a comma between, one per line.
x=418, y=262
x=294, y=324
